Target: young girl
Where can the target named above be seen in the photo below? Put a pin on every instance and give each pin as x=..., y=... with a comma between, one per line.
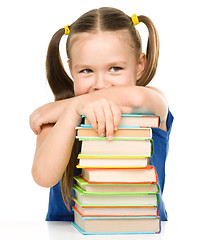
x=110, y=73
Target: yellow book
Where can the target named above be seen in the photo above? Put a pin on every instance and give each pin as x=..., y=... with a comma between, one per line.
x=108, y=161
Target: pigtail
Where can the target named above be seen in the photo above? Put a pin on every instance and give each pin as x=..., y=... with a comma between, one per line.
x=61, y=84
x=62, y=87
x=67, y=178
x=152, y=52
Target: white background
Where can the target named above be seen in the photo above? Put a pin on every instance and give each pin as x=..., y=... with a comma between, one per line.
x=186, y=73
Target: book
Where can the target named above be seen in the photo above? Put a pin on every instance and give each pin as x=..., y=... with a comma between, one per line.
x=117, y=146
x=87, y=131
x=115, y=199
x=120, y=175
x=114, y=211
x=136, y=119
x=117, y=191
x=116, y=225
x=114, y=187
x=99, y=161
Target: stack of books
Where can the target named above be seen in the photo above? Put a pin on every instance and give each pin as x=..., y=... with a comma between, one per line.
x=117, y=191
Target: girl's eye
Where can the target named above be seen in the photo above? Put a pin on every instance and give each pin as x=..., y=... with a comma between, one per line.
x=115, y=69
x=86, y=71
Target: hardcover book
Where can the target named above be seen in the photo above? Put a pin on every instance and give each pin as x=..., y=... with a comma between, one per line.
x=117, y=191
x=115, y=199
x=117, y=146
x=114, y=211
x=120, y=175
x=116, y=225
x=136, y=119
x=114, y=187
x=103, y=161
x=88, y=131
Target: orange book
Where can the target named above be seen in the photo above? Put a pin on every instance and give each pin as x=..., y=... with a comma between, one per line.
x=115, y=211
x=120, y=175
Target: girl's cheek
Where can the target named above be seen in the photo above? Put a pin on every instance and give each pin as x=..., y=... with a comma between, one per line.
x=78, y=91
x=77, y=87
x=80, y=88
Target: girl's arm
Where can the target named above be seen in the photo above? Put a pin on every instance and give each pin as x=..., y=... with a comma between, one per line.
x=140, y=99
x=56, y=139
x=103, y=108
x=47, y=114
x=127, y=97
x=53, y=149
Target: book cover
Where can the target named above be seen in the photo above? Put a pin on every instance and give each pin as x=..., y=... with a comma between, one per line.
x=98, y=161
x=115, y=199
x=114, y=211
x=88, y=131
x=136, y=119
x=117, y=191
x=141, y=165
x=130, y=205
x=89, y=156
x=120, y=175
x=83, y=192
x=114, y=187
x=116, y=225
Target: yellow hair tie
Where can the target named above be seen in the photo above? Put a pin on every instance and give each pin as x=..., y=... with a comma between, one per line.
x=135, y=19
x=67, y=30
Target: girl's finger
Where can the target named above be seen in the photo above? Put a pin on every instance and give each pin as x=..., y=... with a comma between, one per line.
x=116, y=112
x=92, y=119
x=34, y=123
x=109, y=120
x=100, y=118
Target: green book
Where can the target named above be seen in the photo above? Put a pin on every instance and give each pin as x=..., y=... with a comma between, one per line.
x=115, y=199
x=115, y=187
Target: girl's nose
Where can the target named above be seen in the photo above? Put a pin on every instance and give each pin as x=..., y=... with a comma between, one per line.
x=101, y=82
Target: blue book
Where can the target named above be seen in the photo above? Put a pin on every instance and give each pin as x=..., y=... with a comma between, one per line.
x=148, y=120
x=116, y=225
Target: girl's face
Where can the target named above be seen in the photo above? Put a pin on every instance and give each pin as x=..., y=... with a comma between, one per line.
x=104, y=59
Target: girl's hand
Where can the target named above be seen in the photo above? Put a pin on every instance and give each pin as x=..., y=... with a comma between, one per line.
x=104, y=115
x=48, y=113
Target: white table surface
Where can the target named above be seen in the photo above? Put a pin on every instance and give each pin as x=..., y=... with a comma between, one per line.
x=60, y=231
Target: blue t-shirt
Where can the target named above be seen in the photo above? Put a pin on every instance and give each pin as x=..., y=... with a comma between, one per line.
x=57, y=210
x=161, y=148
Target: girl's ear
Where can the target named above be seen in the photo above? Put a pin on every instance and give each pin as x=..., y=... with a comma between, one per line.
x=141, y=65
x=70, y=67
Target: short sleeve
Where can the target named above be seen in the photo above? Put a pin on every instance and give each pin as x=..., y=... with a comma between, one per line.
x=169, y=121
x=165, y=134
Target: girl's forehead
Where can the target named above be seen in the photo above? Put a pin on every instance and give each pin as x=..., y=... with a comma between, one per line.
x=85, y=36
x=121, y=37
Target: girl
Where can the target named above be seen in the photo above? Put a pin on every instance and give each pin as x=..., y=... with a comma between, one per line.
x=110, y=73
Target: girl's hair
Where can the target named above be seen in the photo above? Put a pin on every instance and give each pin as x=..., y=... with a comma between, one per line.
x=102, y=19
